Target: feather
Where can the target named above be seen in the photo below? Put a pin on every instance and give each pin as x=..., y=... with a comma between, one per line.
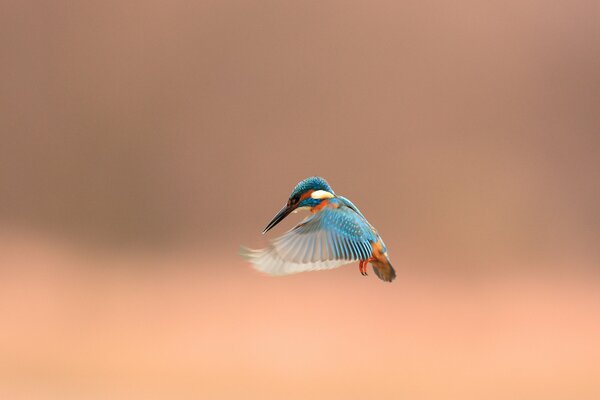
x=328, y=239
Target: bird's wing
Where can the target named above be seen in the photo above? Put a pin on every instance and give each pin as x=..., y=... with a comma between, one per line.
x=350, y=204
x=329, y=239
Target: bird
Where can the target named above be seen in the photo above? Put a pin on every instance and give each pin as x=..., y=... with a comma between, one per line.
x=336, y=233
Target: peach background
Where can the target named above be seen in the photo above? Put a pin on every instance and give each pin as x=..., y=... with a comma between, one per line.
x=143, y=142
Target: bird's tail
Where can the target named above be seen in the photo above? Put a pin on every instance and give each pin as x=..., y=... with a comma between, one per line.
x=383, y=269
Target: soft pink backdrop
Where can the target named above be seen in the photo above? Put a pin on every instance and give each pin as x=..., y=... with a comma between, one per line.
x=143, y=142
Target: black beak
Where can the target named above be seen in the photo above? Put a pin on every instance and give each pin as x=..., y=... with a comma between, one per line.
x=284, y=212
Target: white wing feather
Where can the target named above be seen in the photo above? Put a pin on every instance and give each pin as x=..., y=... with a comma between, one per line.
x=268, y=261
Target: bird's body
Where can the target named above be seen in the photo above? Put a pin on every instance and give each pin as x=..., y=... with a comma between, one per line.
x=335, y=234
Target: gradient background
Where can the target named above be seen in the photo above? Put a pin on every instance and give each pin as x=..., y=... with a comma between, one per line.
x=143, y=142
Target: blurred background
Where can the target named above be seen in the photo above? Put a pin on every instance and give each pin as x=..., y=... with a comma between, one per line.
x=143, y=142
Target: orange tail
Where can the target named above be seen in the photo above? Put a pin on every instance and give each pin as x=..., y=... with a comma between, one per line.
x=381, y=262
x=383, y=269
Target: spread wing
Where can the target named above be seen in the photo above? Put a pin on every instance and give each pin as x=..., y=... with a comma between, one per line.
x=329, y=239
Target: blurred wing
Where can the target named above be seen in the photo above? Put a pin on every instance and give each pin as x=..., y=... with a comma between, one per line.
x=329, y=239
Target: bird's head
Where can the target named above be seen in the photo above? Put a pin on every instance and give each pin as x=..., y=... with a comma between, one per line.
x=308, y=193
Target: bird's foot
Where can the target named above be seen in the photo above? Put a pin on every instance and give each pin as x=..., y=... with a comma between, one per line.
x=362, y=267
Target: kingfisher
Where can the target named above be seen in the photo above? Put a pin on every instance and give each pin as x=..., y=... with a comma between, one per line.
x=335, y=234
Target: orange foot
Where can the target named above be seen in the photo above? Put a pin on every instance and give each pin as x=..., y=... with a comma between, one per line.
x=362, y=267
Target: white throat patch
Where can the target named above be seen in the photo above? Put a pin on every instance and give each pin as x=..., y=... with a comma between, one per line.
x=300, y=209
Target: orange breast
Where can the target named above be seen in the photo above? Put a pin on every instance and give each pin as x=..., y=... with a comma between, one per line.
x=324, y=203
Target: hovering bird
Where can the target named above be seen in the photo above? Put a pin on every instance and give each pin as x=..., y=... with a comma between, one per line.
x=334, y=235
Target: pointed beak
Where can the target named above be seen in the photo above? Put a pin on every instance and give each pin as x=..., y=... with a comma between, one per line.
x=284, y=212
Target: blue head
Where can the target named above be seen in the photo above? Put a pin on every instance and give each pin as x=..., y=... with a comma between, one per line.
x=308, y=193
